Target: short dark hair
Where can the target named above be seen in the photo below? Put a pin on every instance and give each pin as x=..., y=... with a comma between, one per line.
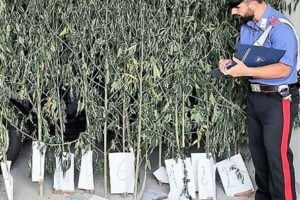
x=235, y=3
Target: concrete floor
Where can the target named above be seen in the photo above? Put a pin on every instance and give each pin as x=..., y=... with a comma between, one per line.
x=25, y=189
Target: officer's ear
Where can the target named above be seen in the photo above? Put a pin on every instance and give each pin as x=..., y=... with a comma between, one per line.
x=234, y=11
x=252, y=4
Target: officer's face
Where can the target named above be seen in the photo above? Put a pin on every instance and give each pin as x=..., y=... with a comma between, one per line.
x=244, y=10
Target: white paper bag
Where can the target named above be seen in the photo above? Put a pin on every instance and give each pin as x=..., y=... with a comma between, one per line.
x=234, y=176
x=86, y=177
x=121, y=170
x=206, y=179
x=38, y=161
x=161, y=175
x=190, y=177
x=175, y=175
x=204, y=170
x=64, y=181
x=175, y=171
x=8, y=179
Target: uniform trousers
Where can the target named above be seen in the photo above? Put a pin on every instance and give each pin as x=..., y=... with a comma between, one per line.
x=269, y=124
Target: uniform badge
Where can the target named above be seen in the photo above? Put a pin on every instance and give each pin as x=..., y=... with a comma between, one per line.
x=263, y=23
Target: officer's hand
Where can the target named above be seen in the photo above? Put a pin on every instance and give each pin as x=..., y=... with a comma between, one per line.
x=223, y=64
x=240, y=69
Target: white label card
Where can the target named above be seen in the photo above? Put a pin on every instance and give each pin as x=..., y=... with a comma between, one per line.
x=86, y=177
x=234, y=176
x=8, y=179
x=121, y=170
x=175, y=174
x=175, y=171
x=204, y=170
x=190, y=177
x=64, y=181
x=38, y=161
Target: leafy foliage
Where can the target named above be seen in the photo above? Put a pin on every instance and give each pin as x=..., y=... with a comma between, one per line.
x=139, y=70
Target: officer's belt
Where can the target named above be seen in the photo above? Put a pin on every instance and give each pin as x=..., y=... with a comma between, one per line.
x=256, y=87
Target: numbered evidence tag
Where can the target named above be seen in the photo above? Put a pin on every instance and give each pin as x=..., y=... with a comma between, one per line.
x=204, y=170
x=8, y=179
x=64, y=181
x=176, y=175
x=38, y=161
x=121, y=171
x=86, y=177
x=235, y=177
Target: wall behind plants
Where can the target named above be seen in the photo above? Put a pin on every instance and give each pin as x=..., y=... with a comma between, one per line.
x=139, y=70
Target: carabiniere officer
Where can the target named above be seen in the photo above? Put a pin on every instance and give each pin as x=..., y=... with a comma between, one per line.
x=272, y=101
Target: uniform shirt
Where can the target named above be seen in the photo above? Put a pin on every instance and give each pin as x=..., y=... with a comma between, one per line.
x=281, y=36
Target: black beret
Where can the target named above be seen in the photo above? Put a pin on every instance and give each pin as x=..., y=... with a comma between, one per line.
x=233, y=3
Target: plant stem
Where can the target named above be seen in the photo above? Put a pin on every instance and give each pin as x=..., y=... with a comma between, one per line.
x=105, y=127
x=39, y=120
x=176, y=125
x=106, y=103
x=140, y=105
x=183, y=122
x=160, y=153
x=61, y=122
x=38, y=92
x=124, y=122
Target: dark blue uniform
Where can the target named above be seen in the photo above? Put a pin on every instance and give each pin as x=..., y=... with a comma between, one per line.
x=270, y=116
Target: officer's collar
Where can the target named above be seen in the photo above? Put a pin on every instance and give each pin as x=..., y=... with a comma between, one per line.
x=263, y=22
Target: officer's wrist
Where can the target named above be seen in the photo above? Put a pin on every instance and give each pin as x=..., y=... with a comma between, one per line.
x=250, y=71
